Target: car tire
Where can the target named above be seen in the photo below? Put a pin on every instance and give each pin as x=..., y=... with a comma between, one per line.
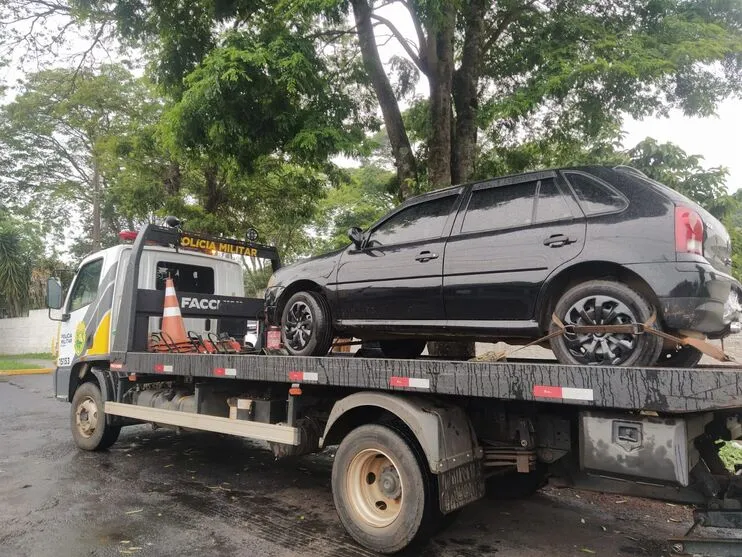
x=604, y=302
x=90, y=430
x=402, y=348
x=682, y=356
x=306, y=326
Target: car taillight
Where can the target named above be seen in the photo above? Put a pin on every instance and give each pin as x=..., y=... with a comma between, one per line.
x=688, y=231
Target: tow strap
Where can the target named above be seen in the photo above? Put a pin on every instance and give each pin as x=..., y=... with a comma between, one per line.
x=626, y=328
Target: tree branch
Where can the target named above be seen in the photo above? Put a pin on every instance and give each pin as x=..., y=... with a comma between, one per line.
x=506, y=20
x=406, y=43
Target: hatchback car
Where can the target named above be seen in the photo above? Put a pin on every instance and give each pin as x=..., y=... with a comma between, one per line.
x=493, y=260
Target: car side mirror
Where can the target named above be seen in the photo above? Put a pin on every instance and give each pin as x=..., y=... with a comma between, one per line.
x=53, y=293
x=356, y=236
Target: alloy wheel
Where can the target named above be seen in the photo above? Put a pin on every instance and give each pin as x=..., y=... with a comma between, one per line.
x=298, y=326
x=600, y=348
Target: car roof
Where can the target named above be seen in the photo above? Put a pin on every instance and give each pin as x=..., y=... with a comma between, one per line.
x=583, y=168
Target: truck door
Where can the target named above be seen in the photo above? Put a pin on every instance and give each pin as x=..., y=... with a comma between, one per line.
x=84, y=291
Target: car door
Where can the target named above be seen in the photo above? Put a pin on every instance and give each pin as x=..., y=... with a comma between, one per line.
x=512, y=235
x=396, y=276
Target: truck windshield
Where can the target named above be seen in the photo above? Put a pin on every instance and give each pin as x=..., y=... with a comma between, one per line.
x=187, y=278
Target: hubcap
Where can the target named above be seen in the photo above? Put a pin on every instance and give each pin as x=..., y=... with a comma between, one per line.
x=86, y=417
x=374, y=488
x=298, y=326
x=600, y=348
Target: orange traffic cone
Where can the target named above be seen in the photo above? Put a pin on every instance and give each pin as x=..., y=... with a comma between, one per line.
x=172, y=321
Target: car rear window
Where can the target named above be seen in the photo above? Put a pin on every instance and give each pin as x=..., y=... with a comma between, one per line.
x=186, y=278
x=500, y=207
x=595, y=197
x=551, y=204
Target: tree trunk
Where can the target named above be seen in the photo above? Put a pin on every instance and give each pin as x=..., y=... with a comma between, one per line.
x=173, y=179
x=96, y=204
x=465, y=89
x=213, y=191
x=441, y=64
x=404, y=158
x=457, y=153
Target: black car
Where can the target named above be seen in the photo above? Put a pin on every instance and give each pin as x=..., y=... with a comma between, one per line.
x=492, y=260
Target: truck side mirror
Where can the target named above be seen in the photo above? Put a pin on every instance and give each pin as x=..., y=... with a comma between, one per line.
x=53, y=293
x=356, y=236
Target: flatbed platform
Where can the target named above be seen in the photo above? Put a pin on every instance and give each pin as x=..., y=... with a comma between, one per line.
x=666, y=390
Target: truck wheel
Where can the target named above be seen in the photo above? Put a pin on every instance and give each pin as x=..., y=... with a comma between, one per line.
x=402, y=348
x=681, y=356
x=306, y=327
x=601, y=302
x=384, y=493
x=89, y=427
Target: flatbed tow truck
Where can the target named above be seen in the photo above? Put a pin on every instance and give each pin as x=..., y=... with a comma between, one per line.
x=417, y=439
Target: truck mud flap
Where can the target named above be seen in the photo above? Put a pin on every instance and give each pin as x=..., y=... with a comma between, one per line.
x=460, y=486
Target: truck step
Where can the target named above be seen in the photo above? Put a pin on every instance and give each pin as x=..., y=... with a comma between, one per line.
x=242, y=428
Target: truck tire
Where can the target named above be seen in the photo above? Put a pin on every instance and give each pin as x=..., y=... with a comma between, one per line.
x=603, y=302
x=384, y=493
x=88, y=420
x=306, y=326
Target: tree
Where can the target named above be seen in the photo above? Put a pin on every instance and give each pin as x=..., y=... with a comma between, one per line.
x=55, y=136
x=19, y=250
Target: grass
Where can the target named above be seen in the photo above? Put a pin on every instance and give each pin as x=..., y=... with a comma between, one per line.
x=29, y=356
x=6, y=364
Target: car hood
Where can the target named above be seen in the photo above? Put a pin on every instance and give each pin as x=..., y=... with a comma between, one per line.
x=319, y=268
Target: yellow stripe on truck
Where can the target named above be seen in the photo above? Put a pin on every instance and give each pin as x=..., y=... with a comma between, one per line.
x=102, y=334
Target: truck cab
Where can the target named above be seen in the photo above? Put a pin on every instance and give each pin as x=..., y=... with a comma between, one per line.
x=91, y=306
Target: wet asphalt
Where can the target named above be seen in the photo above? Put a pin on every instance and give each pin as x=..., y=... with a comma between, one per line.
x=157, y=493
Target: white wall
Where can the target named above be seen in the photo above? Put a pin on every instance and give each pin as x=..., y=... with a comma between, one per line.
x=35, y=333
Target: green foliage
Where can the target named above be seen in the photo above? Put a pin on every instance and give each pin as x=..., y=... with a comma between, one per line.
x=731, y=454
x=62, y=127
x=358, y=202
x=257, y=94
x=19, y=250
x=669, y=164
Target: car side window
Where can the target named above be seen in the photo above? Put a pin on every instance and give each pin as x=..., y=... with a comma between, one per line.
x=417, y=222
x=595, y=197
x=550, y=203
x=86, y=285
x=500, y=207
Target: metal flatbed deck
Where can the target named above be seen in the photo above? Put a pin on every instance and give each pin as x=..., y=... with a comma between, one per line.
x=667, y=390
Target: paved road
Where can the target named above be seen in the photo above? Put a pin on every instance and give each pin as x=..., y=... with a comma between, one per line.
x=159, y=494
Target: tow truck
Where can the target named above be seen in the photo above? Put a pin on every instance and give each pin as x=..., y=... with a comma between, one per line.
x=416, y=439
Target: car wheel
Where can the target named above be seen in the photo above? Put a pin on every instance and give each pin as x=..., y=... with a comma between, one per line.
x=680, y=356
x=601, y=302
x=402, y=348
x=306, y=327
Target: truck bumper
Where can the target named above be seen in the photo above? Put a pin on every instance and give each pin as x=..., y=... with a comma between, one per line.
x=62, y=383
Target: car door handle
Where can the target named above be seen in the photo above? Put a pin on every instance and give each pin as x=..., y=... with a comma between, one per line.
x=558, y=240
x=424, y=256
